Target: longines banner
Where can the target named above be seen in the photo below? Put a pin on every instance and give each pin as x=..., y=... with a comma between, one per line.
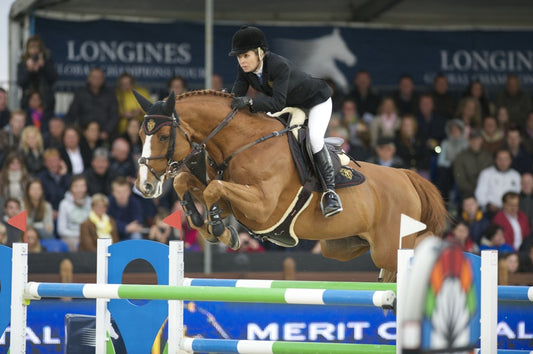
x=153, y=52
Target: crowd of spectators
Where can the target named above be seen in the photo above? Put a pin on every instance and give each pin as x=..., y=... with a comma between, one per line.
x=75, y=173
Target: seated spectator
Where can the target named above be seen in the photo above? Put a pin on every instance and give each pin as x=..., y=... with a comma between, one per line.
x=445, y=104
x=35, y=114
x=469, y=112
x=5, y=113
x=31, y=148
x=126, y=209
x=494, y=240
x=121, y=162
x=474, y=218
x=53, y=137
x=469, y=164
x=460, y=234
x=90, y=137
x=98, y=176
x=12, y=207
x=493, y=136
x=515, y=99
x=128, y=107
x=386, y=154
x=409, y=148
x=476, y=90
x=502, y=116
x=98, y=225
x=512, y=262
x=386, y=122
x=513, y=221
x=75, y=156
x=364, y=95
x=526, y=264
x=55, y=178
x=10, y=134
x=74, y=209
x=39, y=212
x=132, y=137
x=495, y=181
x=33, y=240
x=522, y=161
x=96, y=102
x=160, y=231
x=527, y=138
x=526, y=196
x=405, y=97
x=14, y=177
x=452, y=146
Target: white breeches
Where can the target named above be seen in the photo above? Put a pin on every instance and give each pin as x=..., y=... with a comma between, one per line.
x=319, y=117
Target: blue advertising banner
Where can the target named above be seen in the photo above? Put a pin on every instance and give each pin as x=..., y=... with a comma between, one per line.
x=154, y=52
x=46, y=323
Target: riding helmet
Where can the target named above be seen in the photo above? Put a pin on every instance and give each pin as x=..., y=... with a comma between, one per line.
x=247, y=38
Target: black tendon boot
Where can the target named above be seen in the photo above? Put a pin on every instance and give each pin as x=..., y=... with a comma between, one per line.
x=330, y=202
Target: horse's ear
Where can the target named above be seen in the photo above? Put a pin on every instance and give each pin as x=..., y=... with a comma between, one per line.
x=170, y=103
x=145, y=104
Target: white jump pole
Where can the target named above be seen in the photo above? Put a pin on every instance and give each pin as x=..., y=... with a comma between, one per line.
x=19, y=278
x=103, y=317
x=404, y=263
x=489, y=301
x=175, y=307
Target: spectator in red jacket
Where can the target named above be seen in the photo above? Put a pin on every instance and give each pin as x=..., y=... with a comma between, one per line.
x=514, y=222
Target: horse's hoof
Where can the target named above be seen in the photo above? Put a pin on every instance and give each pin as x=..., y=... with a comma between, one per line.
x=234, y=244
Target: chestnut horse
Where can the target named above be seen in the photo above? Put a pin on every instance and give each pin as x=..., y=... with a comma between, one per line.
x=258, y=182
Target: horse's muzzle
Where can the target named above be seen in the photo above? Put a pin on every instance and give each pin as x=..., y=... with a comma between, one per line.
x=148, y=189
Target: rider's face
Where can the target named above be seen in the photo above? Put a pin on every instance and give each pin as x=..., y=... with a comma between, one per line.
x=248, y=61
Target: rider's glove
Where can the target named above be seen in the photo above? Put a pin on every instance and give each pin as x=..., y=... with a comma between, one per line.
x=241, y=102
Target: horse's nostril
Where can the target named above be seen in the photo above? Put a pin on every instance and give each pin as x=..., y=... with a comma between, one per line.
x=148, y=188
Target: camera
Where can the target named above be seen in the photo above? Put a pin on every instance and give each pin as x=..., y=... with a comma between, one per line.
x=35, y=57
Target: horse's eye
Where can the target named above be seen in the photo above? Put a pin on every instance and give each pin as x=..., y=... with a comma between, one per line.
x=163, y=138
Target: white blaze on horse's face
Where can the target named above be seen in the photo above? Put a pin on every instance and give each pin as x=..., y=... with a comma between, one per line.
x=155, y=185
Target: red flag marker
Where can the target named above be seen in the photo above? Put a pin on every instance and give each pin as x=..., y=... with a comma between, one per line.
x=19, y=221
x=174, y=220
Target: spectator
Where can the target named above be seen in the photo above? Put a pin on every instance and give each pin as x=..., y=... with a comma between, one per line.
x=75, y=156
x=55, y=178
x=494, y=240
x=527, y=138
x=121, y=161
x=90, y=137
x=98, y=176
x=31, y=148
x=526, y=265
x=98, y=225
x=409, y=149
x=160, y=231
x=126, y=209
x=502, y=116
x=513, y=221
x=512, y=262
x=193, y=242
x=39, y=212
x=14, y=177
x=96, y=102
x=492, y=135
x=35, y=111
x=217, y=83
x=176, y=84
x=445, y=104
x=249, y=244
x=12, y=207
x=469, y=164
x=128, y=107
x=10, y=134
x=36, y=72
x=386, y=123
x=34, y=241
x=5, y=113
x=526, y=196
x=495, y=181
x=476, y=90
x=522, y=161
x=386, y=154
x=405, y=98
x=469, y=111
x=516, y=100
x=73, y=210
x=366, y=99
x=452, y=146
x=431, y=126
x=132, y=137
x=53, y=137
x=474, y=218
x=460, y=234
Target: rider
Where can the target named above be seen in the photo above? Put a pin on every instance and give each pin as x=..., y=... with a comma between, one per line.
x=283, y=85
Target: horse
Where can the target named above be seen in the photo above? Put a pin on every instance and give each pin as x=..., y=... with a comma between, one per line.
x=318, y=56
x=252, y=175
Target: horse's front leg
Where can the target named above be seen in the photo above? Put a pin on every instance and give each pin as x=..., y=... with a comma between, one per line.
x=249, y=200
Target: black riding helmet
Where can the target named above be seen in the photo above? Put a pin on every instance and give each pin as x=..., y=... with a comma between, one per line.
x=247, y=38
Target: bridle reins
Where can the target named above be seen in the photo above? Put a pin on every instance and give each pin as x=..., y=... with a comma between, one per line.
x=174, y=166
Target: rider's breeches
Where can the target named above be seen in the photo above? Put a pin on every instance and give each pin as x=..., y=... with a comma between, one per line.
x=319, y=117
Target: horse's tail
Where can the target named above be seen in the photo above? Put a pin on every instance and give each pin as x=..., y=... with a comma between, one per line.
x=434, y=213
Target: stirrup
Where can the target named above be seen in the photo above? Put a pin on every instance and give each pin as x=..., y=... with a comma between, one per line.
x=334, y=211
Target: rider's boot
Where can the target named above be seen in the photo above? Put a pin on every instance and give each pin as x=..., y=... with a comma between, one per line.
x=330, y=202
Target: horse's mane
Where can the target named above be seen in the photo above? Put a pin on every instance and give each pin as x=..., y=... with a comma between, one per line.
x=204, y=93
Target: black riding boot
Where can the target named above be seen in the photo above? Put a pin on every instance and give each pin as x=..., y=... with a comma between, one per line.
x=330, y=202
